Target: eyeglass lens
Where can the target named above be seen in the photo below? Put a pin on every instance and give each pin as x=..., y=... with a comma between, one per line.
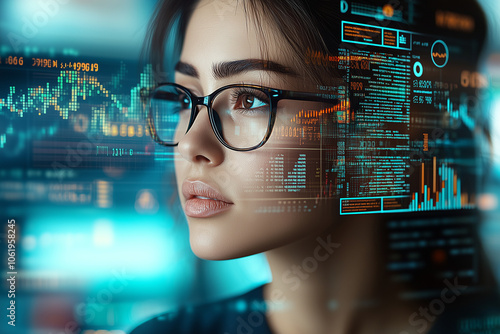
x=241, y=114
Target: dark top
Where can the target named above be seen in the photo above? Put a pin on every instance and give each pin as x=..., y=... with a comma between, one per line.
x=245, y=314
x=240, y=314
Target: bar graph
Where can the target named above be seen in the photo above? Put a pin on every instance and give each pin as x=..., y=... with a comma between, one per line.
x=342, y=110
x=440, y=188
x=445, y=192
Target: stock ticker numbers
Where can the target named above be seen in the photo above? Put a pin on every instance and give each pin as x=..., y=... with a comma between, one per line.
x=49, y=63
x=76, y=109
x=16, y=61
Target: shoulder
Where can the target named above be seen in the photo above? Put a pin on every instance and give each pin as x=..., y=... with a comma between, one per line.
x=240, y=314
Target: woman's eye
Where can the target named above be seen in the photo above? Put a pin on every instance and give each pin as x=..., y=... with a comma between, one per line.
x=184, y=102
x=251, y=102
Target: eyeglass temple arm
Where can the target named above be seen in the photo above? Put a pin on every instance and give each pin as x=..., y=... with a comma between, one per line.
x=329, y=98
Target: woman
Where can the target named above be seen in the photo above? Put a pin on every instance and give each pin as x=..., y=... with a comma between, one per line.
x=258, y=167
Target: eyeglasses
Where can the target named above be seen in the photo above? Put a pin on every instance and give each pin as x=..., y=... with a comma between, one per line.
x=242, y=116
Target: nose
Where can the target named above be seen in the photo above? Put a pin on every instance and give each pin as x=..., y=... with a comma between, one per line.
x=200, y=145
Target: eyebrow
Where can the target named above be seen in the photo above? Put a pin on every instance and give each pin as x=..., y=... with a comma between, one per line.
x=187, y=69
x=229, y=68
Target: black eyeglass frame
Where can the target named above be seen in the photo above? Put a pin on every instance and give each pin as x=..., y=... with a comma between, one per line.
x=274, y=95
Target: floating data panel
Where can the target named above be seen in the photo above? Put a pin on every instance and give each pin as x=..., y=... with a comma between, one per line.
x=407, y=138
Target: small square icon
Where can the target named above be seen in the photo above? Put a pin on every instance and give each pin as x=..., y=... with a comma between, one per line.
x=404, y=40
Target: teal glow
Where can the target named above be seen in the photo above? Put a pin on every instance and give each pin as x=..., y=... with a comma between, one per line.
x=83, y=245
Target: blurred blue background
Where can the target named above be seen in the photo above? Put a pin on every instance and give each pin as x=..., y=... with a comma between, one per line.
x=98, y=248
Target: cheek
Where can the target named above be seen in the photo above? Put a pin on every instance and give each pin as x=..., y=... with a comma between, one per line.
x=180, y=166
x=283, y=173
x=290, y=164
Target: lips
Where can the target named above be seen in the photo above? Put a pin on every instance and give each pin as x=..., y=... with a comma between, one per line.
x=202, y=200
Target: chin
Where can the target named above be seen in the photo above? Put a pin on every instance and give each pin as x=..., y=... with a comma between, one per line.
x=210, y=247
x=207, y=250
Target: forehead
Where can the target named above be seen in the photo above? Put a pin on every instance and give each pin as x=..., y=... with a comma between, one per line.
x=220, y=31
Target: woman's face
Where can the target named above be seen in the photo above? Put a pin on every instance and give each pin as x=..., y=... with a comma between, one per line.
x=242, y=203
